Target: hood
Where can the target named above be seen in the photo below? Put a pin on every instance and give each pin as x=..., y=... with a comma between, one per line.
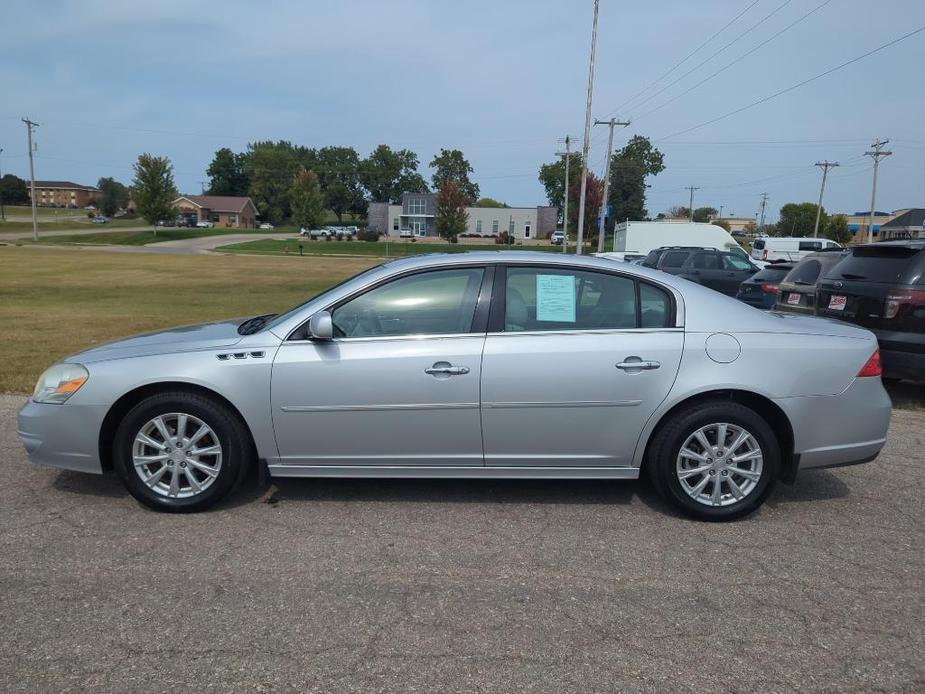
x=188, y=338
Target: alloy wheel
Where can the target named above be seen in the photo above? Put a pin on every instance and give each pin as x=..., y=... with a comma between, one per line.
x=177, y=455
x=719, y=464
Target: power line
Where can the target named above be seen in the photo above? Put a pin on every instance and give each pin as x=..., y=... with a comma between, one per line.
x=686, y=58
x=795, y=86
x=737, y=60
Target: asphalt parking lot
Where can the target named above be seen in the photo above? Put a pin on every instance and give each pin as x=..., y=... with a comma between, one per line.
x=463, y=586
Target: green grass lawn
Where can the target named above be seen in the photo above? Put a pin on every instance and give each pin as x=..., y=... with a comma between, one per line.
x=25, y=227
x=55, y=302
x=378, y=249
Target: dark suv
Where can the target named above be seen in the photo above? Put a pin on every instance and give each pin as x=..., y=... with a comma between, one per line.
x=723, y=271
x=881, y=286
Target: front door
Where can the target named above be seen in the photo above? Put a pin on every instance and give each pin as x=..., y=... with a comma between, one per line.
x=560, y=381
x=399, y=383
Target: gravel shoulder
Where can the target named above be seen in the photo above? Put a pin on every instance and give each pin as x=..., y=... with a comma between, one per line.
x=463, y=586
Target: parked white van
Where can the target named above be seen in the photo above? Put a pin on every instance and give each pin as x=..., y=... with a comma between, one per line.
x=788, y=247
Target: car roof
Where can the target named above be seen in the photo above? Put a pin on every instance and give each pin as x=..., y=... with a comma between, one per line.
x=918, y=244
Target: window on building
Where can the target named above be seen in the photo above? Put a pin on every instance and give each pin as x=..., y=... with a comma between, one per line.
x=494, y=226
x=478, y=226
x=216, y=218
x=510, y=227
x=395, y=224
x=416, y=206
x=232, y=219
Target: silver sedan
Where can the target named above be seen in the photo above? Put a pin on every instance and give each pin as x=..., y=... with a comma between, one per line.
x=490, y=365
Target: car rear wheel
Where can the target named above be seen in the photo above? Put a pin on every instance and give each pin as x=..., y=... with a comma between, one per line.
x=715, y=461
x=181, y=451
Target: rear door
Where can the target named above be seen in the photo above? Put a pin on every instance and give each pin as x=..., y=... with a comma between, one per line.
x=736, y=270
x=706, y=269
x=575, y=363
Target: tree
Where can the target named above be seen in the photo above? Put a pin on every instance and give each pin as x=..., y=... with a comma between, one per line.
x=679, y=212
x=307, y=200
x=722, y=223
x=386, y=174
x=270, y=167
x=552, y=176
x=113, y=196
x=703, y=214
x=837, y=229
x=451, y=217
x=799, y=219
x=13, y=190
x=489, y=202
x=154, y=190
x=594, y=193
x=338, y=171
x=629, y=169
x=227, y=175
x=451, y=165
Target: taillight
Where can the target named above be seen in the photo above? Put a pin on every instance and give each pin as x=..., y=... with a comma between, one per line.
x=897, y=297
x=769, y=288
x=764, y=255
x=873, y=367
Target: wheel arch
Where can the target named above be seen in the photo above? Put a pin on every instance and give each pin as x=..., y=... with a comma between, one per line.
x=764, y=406
x=128, y=400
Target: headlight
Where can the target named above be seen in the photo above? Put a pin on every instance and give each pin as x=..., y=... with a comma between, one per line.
x=59, y=383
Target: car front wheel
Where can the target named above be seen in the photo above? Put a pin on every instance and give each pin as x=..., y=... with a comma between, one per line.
x=715, y=461
x=181, y=451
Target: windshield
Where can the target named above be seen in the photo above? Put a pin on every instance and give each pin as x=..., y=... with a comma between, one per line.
x=295, y=309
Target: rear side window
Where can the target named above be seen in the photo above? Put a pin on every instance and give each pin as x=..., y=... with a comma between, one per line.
x=706, y=261
x=735, y=262
x=758, y=245
x=901, y=264
x=810, y=245
x=562, y=299
x=806, y=272
x=771, y=274
x=652, y=259
x=673, y=259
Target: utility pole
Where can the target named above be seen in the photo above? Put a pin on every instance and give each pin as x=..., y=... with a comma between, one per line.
x=568, y=155
x=721, y=211
x=826, y=165
x=586, y=143
x=691, y=208
x=764, y=204
x=601, y=227
x=202, y=187
x=2, y=215
x=876, y=154
x=35, y=221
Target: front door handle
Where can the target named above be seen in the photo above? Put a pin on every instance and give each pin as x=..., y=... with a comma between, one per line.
x=444, y=368
x=637, y=364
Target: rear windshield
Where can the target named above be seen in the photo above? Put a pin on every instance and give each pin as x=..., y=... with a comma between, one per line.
x=806, y=272
x=772, y=273
x=881, y=264
x=758, y=245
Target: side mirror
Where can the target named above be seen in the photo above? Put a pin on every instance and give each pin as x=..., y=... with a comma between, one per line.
x=321, y=327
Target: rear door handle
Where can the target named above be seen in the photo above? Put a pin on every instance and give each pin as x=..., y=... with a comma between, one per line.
x=638, y=365
x=444, y=368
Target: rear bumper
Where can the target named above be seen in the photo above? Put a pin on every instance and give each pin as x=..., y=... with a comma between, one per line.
x=64, y=436
x=843, y=429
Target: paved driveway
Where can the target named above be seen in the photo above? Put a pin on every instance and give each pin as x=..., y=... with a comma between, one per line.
x=463, y=586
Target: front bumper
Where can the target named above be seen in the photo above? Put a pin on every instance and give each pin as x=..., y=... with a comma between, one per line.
x=843, y=429
x=64, y=436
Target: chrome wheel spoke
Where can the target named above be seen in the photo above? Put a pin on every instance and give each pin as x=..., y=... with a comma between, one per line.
x=697, y=488
x=148, y=459
x=716, y=495
x=739, y=440
x=703, y=440
x=210, y=471
x=151, y=480
x=210, y=450
x=191, y=477
x=702, y=470
x=161, y=427
x=174, y=481
x=181, y=427
x=200, y=432
x=721, y=432
x=736, y=489
x=148, y=441
x=747, y=474
x=750, y=455
x=688, y=453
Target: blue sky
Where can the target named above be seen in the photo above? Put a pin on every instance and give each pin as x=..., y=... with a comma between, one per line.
x=502, y=81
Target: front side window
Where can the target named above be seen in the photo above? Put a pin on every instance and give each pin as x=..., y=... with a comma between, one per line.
x=706, y=261
x=735, y=263
x=556, y=299
x=440, y=302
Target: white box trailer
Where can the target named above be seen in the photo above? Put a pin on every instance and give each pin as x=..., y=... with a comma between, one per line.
x=642, y=237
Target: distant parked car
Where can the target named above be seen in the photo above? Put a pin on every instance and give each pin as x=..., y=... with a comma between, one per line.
x=798, y=289
x=881, y=286
x=266, y=225
x=99, y=219
x=204, y=224
x=789, y=248
x=722, y=271
x=557, y=238
x=326, y=232
x=760, y=290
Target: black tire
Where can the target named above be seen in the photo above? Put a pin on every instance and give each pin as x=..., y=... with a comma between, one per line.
x=236, y=449
x=661, y=462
